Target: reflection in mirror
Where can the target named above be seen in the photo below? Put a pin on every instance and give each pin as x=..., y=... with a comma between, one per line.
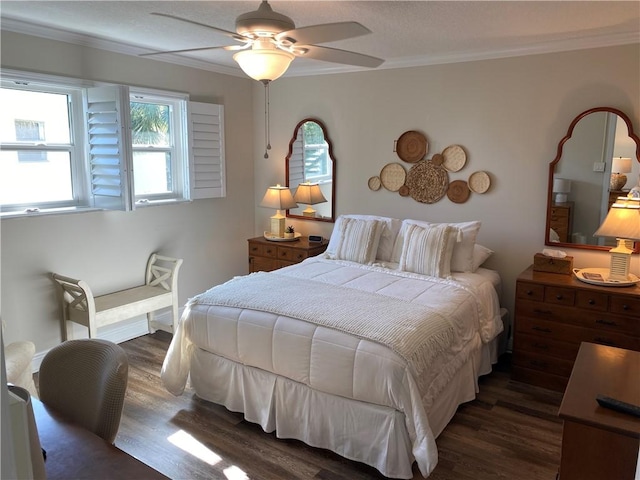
x=310, y=172
x=583, y=183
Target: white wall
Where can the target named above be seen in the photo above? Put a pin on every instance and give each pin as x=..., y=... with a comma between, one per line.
x=508, y=114
x=110, y=249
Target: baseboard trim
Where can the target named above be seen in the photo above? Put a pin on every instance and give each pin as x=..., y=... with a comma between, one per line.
x=114, y=333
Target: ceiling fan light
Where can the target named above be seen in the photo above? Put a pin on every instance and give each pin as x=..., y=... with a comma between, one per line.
x=264, y=65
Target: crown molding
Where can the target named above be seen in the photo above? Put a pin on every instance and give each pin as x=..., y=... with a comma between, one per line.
x=324, y=68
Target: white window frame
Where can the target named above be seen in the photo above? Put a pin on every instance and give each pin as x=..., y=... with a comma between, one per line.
x=198, y=166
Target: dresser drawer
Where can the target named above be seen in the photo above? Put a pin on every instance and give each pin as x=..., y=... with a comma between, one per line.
x=270, y=251
x=592, y=300
x=547, y=311
x=626, y=306
x=293, y=255
x=530, y=291
x=542, y=363
x=549, y=330
x=560, y=296
x=256, y=249
x=612, y=339
x=546, y=346
x=607, y=322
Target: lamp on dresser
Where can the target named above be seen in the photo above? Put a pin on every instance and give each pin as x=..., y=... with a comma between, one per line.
x=623, y=223
x=561, y=188
x=309, y=194
x=278, y=198
x=619, y=166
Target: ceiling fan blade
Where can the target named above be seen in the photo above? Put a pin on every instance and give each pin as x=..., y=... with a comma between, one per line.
x=183, y=51
x=334, y=55
x=327, y=32
x=193, y=22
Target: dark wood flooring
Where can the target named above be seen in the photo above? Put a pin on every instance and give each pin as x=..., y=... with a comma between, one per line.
x=511, y=431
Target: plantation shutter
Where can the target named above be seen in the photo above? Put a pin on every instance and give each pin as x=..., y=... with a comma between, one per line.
x=296, y=162
x=207, y=161
x=109, y=144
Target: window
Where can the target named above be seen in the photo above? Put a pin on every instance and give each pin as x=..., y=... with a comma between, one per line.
x=317, y=167
x=71, y=146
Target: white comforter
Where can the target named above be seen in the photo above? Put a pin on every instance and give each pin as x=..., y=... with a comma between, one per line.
x=333, y=361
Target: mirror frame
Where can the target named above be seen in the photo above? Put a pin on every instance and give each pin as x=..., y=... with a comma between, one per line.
x=333, y=170
x=552, y=166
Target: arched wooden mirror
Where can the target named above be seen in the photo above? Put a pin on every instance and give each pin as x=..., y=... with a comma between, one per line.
x=311, y=172
x=580, y=190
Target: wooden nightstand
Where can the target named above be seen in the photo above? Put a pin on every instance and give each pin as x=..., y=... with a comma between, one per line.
x=265, y=255
x=554, y=313
x=561, y=220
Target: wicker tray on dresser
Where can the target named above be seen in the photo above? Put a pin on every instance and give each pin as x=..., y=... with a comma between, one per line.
x=554, y=313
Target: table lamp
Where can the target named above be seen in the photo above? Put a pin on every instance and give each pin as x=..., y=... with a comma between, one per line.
x=622, y=222
x=309, y=194
x=561, y=187
x=279, y=198
x=619, y=166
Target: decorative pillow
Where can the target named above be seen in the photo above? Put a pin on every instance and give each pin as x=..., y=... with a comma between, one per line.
x=391, y=226
x=399, y=243
x=358, y=240
x=427, y=249
x=480, y=255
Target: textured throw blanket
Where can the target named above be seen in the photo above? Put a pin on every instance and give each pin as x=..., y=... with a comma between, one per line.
x=415, y=332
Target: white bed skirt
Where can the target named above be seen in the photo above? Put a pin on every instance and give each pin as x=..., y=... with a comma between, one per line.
x=373, y=434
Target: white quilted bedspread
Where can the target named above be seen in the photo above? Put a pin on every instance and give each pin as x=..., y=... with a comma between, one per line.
x=327, y=357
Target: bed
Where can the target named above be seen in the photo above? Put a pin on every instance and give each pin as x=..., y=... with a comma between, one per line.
x=366, y=350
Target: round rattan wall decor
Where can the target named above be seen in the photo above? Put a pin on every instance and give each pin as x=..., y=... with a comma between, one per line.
x=403, y=191
x=454, y=158
x=458, y=191
x=479, y=182
x=427, y=182
x=412, y=146
x=393, y=176
x=374, y=183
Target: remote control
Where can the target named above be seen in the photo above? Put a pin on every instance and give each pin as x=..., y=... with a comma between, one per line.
x=618, y=405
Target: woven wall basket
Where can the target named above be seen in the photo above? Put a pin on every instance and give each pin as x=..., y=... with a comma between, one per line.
x=412, y=146
x=427, y=182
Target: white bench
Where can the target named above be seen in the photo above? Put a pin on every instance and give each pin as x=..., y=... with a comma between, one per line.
x=159, y=291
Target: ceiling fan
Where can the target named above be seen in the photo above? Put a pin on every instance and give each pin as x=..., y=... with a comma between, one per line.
x=269, y=41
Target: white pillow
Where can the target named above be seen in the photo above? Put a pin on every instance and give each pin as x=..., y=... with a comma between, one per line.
x=427, y=249
x=480, y=255
x=388, y=236
x=462, y=258
x=359, y=240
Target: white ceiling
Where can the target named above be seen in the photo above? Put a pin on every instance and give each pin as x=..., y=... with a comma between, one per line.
x=404, y=33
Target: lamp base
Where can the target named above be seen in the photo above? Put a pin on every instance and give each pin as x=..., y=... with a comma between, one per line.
x=561, y=198
x=277, y=225
x=617, y=181
x=309, y=212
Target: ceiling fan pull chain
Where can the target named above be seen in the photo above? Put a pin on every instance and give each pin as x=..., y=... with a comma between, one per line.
x=267, y=134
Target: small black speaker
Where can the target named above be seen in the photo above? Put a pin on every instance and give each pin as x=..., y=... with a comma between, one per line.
x=315, y=238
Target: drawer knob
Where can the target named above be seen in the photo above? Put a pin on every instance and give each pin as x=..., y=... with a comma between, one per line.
x=592, y=301
x=606, y=322
x=542, y=312
x=529, y=292
x=559, y=297
x=625, y=307
x=541, y=346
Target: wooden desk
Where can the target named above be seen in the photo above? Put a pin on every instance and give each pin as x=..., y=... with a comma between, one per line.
x=74, y=452
x=599, y=443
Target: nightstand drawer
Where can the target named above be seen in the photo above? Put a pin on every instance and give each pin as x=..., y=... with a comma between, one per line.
x=291, y=254
x=557, y=366
x=270, y=251
x=549, y=329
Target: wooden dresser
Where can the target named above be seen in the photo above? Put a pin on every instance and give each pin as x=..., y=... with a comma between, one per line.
x=554, y=313
x=561, y=220
x=266, y=255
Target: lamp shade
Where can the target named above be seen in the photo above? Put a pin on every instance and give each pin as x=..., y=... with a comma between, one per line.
x=621, y=165
x=561, y=185
x=622, y=221
x=279, y=198
x=264, y=65
x=309, y=194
